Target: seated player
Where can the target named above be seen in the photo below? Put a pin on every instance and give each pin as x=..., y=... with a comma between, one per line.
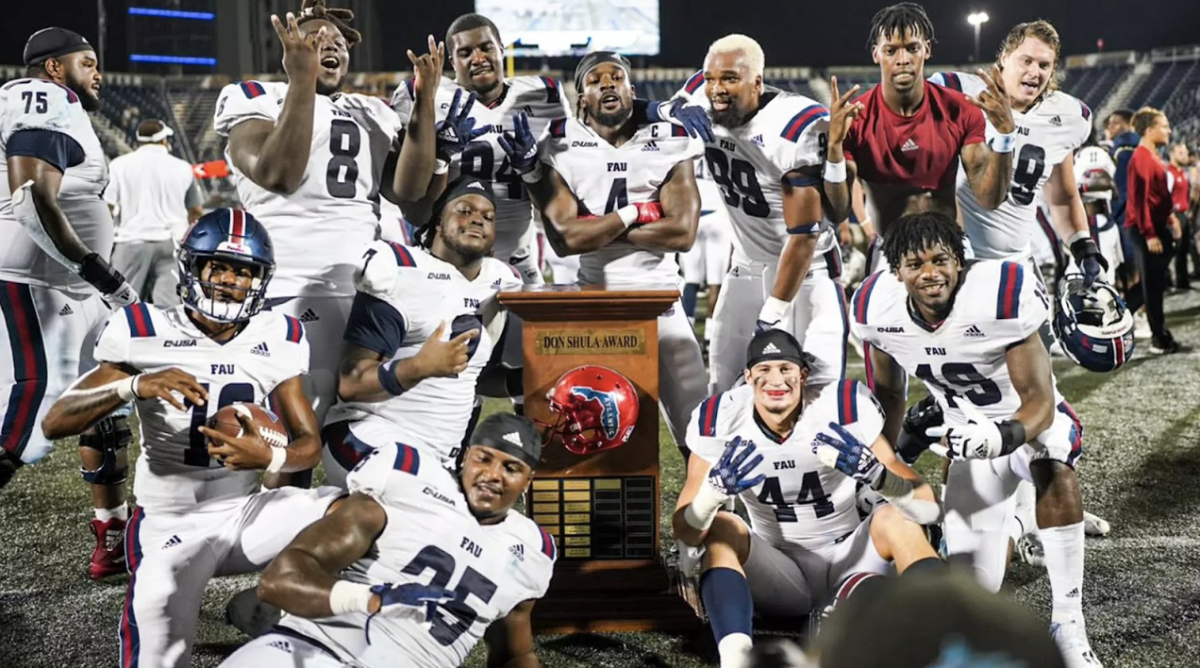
x=622, y=195
x=198, y=513
x=796, y=464
x=969, y=330
x=417, y=565
x=424, y=325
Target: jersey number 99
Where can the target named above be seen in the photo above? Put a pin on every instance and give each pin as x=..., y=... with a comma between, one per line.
x=738, y=182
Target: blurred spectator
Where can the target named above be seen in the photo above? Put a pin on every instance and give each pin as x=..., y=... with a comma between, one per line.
x=1119, y=131
x=1177, y=166
x=934, y=619
x=155, y=197
x=1148, y=218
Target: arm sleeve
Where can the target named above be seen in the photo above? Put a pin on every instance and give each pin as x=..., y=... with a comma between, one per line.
x=194, y=196
x=375, y=325
x=244, y=101
x=50, y=146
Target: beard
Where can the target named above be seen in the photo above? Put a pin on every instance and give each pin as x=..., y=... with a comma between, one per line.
x=323, y=89
x=88, y=98
x=612, y=120
x=466, y=253
x=729, y=118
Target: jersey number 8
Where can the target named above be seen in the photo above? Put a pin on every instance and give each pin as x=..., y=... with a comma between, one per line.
x=341, y=175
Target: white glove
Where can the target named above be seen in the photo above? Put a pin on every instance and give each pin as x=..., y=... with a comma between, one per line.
x=980, y=438
x=121, y=297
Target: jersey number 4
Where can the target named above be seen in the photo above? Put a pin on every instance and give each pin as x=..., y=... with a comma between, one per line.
x=811, y=494
x=962, y=381
x=341, y=175
x=197, y=450
x=738, y=183
x=472, y=583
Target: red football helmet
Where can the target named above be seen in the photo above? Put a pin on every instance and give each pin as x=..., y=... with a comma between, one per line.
x=597, y=409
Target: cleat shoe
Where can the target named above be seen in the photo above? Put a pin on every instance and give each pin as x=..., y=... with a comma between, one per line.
x=1094, y=525
x=1030, y=550
x=108, y=558
x=1073, y=643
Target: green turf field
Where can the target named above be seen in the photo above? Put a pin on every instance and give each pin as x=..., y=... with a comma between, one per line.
x=1142, y=598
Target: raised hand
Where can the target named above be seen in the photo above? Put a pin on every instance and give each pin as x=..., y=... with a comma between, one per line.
x=849, y=455
x=445, y=359
x=458, y=129
x=427, y=69
x=994, y=101
x=978, y=439
x=729, y=474
x=520, y=145
x=842, y=111
x=301, y=52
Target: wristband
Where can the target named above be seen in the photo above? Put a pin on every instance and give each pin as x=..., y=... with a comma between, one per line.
x=386, y=373
x=346, y=596
x=1012, y=436
x=100, y=274
x=278, y=459
x=1000, y=143
x=441, y=166
x=628, y=214
x=127, y=388
x=834, y=172
x=891, y=485
x=700, y=513
x=534, y=175
x=773, y=310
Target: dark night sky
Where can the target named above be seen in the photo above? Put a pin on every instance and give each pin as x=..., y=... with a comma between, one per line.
x=832, y=33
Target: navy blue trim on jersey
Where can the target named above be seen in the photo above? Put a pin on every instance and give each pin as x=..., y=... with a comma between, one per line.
x=810, y=228
x=375, y=325
x=403, y=256
x=802, y=120
x=29, y=367
x=952, y=81
x=347, y=450
x=548, y=547
x=1060, y=259
x=833, y=263
x=129, y=636
x=252, y=89
x=1085, y=110
x=847, y=401
x=558, y=128
x=51, y=146
x=295, y=330
x=141, y=325
x=72, y=98
x=1008, y=301
x=408, y=86
x=677, y=131
x=708, y=415
x=801, y=181
x=841, y=297
x=553, y=90
x=862, y=298
x=694, y=83
x=408, y=460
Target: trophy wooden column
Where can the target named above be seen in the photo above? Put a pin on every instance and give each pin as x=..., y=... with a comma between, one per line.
x=602, y=509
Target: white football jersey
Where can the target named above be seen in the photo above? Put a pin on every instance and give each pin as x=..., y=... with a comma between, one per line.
x=1091, y=158
x=997, y=305
x=789, y=132
x=1046, y=135
x=801, y=502
x=431, y=537
x=414, y=292
x=44, y=106
x=174, y=471
x=604, y=178
x=542, y=99
x=321, y=230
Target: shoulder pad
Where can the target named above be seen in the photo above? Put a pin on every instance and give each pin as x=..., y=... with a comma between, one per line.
x=381, y=266
x=1008, y=294
x=795, y=127
x=860, y=304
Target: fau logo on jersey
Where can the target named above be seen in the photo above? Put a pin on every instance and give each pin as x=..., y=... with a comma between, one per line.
x=609, y=420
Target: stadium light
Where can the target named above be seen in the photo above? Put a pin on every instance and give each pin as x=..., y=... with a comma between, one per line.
x=173, y=60
x=977, y=19
x=172, y=13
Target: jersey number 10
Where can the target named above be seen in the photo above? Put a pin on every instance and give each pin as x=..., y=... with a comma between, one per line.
x=196, y=453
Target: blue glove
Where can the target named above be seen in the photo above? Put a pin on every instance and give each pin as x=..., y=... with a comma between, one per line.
x=690, y=117
x=396, y=599
x=1091, y=262
x=761, y=326
x=728, y=475
x=458, y=129
x=848, y=455
x=520, y=145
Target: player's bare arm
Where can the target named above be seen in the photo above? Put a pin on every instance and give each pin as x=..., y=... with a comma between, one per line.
x=251, y=452
x=990, y=172
x=888, y=387
x=275, y=155
x=697, y=472
x=842, y=112
x=358, y=378
x=412, y=177
x=510, y=640
x=802, y=214
x=300, y=579
x=108, y=387
x=1029, y=368
x=679, y=198
x=46, y=181
x=567, y=232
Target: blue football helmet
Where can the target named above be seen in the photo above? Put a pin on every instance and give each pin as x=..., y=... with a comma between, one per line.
x=231, y=235
x=1093, y=324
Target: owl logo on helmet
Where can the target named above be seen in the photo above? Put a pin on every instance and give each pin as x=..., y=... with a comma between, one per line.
x=1093, y=325
x=596, y=408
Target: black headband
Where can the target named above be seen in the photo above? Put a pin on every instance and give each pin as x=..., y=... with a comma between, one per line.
x=595, y=58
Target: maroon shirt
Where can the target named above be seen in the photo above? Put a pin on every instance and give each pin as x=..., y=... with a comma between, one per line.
x=1148, y=205
x=920, y=151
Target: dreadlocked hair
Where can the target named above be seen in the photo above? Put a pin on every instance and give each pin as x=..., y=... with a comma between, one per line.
x=917, y=232
x=1041, y=30
x=425, y=233
x=896, y=19
x=317, y=10
x=471, y=22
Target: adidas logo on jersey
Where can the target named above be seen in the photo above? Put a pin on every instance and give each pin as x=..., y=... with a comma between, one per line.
x=518, y=551
x=261, y=349
x=758, y=141
x=909, y=145
x=974, y=332
x=310, y=315
x=514, y=438
x=66, y=310
x=1074, y=593
x=172, y=542
x=1056, y=121
x=771, y=349
x=281, y=645
x=650, y=146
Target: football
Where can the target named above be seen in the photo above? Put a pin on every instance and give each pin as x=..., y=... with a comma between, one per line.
x=268, y=423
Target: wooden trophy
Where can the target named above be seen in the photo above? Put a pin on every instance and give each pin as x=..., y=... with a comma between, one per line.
x=603, y=508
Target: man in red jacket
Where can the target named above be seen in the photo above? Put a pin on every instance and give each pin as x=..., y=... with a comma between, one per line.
x=1148, y=214
x=1178, y=161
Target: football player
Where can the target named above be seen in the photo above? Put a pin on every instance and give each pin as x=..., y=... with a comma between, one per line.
x=309, y=162
x=766, y=157
x=622, y=195
x=796, y=462
x=56, y=285
x=417, y=565
x=970, y=332
x=708, y=261
x=198, y=513
x=422, y=329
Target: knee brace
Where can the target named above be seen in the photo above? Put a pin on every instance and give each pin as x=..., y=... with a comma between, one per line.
x=108, y=436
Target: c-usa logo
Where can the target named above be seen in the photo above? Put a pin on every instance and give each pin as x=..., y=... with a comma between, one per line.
x=608, y=408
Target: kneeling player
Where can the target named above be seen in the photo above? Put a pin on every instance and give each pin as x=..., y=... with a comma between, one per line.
x=198, y=514
x=806, y=534
x=417, y=565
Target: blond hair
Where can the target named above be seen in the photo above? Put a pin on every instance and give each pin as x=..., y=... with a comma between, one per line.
x=1144, y=119
x=740, y=44
x=1041, y=30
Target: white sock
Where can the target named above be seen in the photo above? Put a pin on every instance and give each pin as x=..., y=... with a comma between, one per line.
x=121, y=512
x=1064, y=564
x=1026, y=511
x=734, y=650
